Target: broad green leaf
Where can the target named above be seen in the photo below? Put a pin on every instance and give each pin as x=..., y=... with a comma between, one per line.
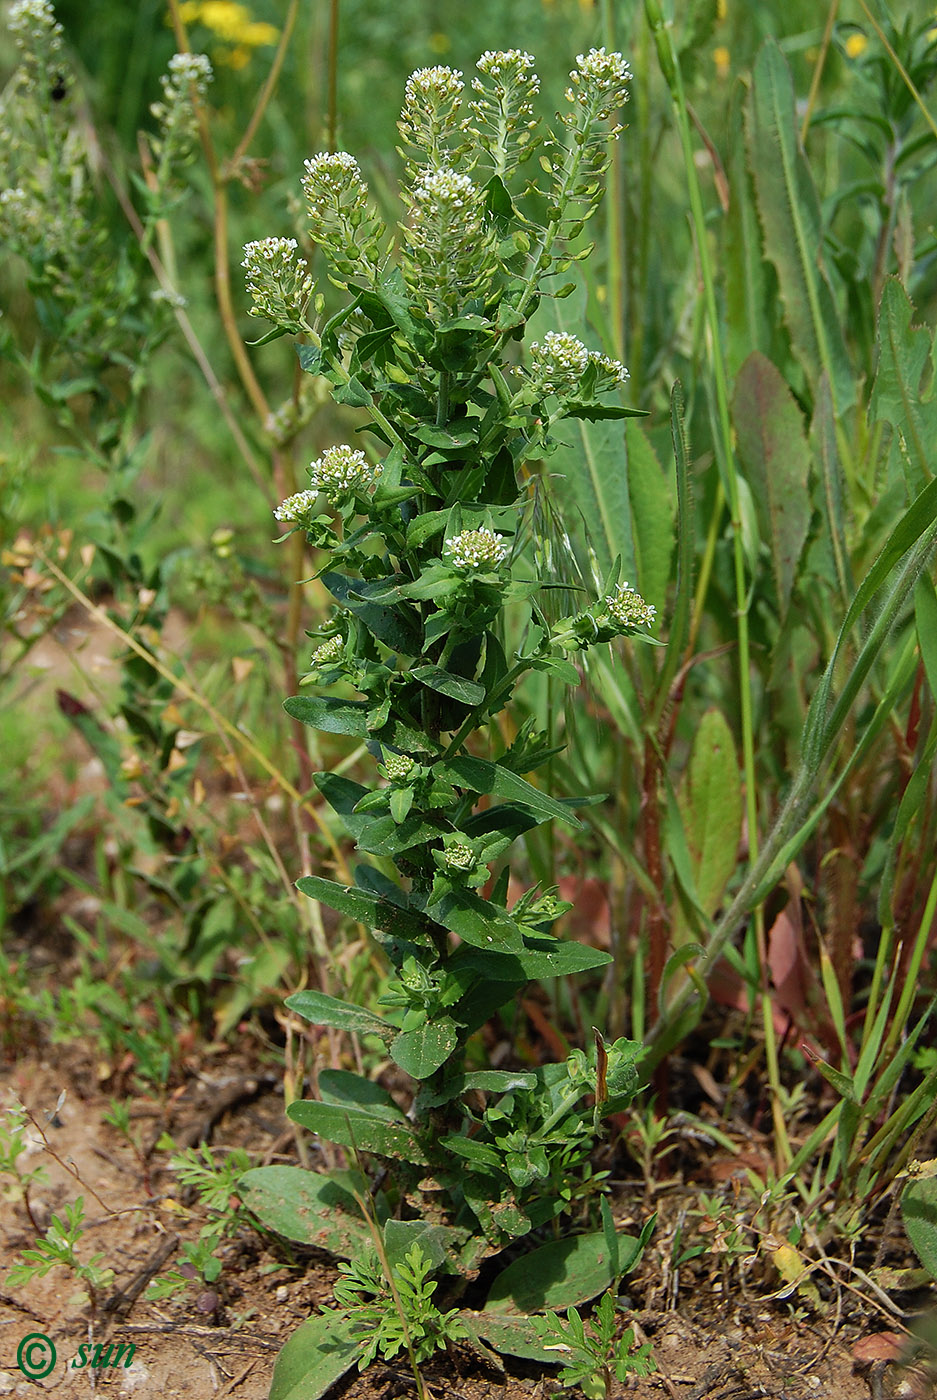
x=436, y=1241
x=481, y=775
x=343, y=795
x=510, y=1335
x=352, y=1127
x=492, y=1081
x=710, y=801
x=919, y=1213
x=476, y=921
x=309, y=1207
x=342, y=1087
x=420, y=1052
x=561, y=1274
x=393, y=626
x=789, y=209
x=771, y=444
x=540, y=959
x=323, y=1010
x=364, y=906
x=330, y=714
x=903, y=355
x=317, y=1355
x=456, y=687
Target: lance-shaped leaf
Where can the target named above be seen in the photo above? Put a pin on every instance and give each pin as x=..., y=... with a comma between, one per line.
x=316, y=1356
x=789, y=210
x=903, y=354
x=323, y=1010
x=481, y=775
x=563, y=1273
x=456, y=687
x=711, y=804
x=314, y=1208
x=354, y=1128
x=771, y=443
x=420, y=1052
x=364, y=906
x=477, y=921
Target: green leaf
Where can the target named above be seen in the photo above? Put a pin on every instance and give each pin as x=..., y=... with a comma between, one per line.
x=561, y=1274
x=789, y=209
x=540, y=959
x=436, y=1241
x=492, y=1081
x=343, y=795
x=330, y=714
x=509, y=1334
x=352, y=1127
x=925, y=617
x=476, y=921
x=919, y=1213
x=364, y=906
x=773, y=449
x=597, y=412
x=903, y=355
x=456, y=687
x=314, y=1208
x=481, y=775
x=392, y=626
x=652, y=511
x=420, y=1052
x=324, y=1010
x=317, y=1355
x=711, y=804
x=343, y=1087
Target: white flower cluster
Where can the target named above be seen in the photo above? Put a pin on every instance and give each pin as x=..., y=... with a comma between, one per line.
x=341, y=220
x=21, y=218
x=398, y=766
x=629, y=609
x=433, y=85
x=459, y=857
x=560, y=360
x=475, y=549
x=188, y=72
x=510, y=65
x=297, y=507
x=342, y=470
x=328, y=652
x=445, y=189
x=278, y=282
x=600, y=79
x=332, y=172
x=185, y=68
x=33, y=21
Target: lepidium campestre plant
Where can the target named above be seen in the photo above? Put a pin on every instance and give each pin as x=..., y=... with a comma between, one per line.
x=426, y=526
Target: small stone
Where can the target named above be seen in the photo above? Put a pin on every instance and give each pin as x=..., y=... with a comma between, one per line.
x=282, y=1294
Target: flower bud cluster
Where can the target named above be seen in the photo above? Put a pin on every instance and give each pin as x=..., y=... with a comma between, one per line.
x=599, y=83
x=629, y=609
x=459, y=858
x=430, y=119
x=342, y=472
x=38, y=37
x=559, y=362
x=340, y=215
x=398, y=766
x=502, y=109
x=278, y=282
x=298, y=507
x=329, y=652
x=185, y=83
x=450, y=247
x=475, y=551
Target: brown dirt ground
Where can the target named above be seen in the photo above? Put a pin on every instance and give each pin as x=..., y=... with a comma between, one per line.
x=707, y=1347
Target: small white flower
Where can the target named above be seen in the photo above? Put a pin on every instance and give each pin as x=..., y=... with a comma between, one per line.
x=598, y=73
x=333, y=172
x=185, y=68
x=170, y=297
x=342, y=470
x=475, y=549
x=29, y=20
x=560, y=360
x=296, y=507
x=435, y=84
x=279, y=283
x=629, y=609
x=444, y=188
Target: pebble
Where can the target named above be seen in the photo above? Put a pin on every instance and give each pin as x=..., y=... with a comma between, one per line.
x=282, y=1294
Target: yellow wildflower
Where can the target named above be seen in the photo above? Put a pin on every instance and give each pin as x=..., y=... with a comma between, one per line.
x=231, y=22
x=721, y=58
x=722, y=10
x=856, y=45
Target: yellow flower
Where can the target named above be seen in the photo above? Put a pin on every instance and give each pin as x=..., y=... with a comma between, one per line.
x=722, y=10
x=231, y=22
x=856, y=44
x=721, y=58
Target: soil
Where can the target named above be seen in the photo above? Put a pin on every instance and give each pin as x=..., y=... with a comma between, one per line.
x=224, y=1341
